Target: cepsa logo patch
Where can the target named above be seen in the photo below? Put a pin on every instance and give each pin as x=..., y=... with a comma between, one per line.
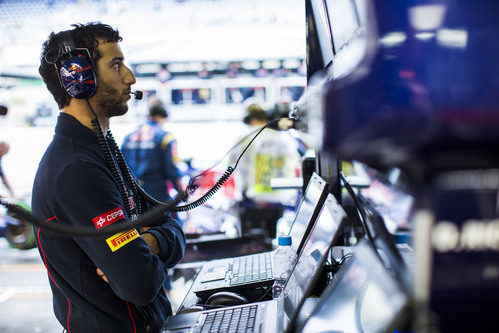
x=108, y=218
x=121, y=239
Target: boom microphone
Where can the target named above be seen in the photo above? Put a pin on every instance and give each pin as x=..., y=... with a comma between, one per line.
x=138, y=94
x=3, y=110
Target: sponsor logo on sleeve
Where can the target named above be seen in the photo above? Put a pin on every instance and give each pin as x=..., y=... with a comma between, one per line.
x=108, y=218
x=119, y=240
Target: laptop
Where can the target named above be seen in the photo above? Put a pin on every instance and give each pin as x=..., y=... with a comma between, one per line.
x=365, y=297
x=256, y=270
x=261, y=317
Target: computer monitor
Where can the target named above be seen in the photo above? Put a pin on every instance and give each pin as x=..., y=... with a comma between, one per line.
x=319, y=41
x=392, y=203
x=362, y=298
x=307, y=211
x=307, y=270
x=410, y=92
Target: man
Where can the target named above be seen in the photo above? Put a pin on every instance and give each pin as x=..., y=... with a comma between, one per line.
x=99, y=284
x=151, y=154
x=273, y=154
x=4, y=149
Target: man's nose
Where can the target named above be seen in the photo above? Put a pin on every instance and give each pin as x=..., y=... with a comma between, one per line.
x=130, y=78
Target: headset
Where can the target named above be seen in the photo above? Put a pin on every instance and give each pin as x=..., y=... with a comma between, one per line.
x=75, y=68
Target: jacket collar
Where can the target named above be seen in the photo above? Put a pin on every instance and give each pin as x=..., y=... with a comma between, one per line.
x=69, y=126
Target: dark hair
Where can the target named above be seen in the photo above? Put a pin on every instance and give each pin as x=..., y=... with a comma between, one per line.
x=254, y=112
x=158, y=110
x=83, y=36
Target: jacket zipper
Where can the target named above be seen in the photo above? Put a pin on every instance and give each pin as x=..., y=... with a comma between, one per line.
x=146, y=316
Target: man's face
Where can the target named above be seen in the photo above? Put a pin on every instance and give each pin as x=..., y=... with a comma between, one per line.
x=114, y=81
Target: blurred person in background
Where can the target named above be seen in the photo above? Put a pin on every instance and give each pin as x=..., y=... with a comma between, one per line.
x=273, y=154
x=4, y=149
x=151, y=154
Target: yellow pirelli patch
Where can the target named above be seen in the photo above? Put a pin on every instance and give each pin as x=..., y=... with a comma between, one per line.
x=121, y=239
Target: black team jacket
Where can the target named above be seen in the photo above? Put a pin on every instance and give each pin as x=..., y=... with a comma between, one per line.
x=73, y=186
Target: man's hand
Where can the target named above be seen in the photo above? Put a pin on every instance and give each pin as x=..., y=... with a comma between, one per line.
x=151, y=241
x=102, y=275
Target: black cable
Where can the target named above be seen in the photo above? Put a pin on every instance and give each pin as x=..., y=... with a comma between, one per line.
x=237, y=144
x=125, y=171
x=213, y=306
x=208, y=194
x=137, y=190
x=226, y=174
x=269, y=289
x=149, y=218
x=360, y=209
x=110, y=161
x=253, y=139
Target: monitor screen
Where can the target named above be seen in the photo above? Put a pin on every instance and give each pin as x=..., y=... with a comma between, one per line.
x=365, y=298
x=347, y=25
x=322, y=236
x=321, y=20
x=393, y=204
x=416, y=98
x=344, y=21
x=310, y=204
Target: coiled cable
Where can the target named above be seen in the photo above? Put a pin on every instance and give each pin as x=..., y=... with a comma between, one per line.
x=151, y=217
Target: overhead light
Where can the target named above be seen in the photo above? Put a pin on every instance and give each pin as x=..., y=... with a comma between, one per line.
x=393, y=39
x=427, y=17
x=292, y=63
x=452, y=37
x=147, y=68
x=177, y=67
x=271, y=64
x=424, y=35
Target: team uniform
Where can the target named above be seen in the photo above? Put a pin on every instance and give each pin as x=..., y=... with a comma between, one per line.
x=274, y=154
x=74, y=186
x=151, y=154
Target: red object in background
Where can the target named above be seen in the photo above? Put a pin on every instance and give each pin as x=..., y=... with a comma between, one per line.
x=209, y=179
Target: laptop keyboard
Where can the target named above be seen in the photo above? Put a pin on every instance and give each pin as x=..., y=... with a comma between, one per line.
x=230, y=320
x=251, y=269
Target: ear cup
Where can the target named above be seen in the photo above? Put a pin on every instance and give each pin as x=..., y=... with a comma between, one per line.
x=78, y=77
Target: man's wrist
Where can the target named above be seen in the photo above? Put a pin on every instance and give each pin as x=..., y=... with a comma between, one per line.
x=152, y=241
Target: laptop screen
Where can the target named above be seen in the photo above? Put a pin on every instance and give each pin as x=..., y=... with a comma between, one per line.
x=315, y=250
x=312, y=199
x=365, y=298
x=393, y=204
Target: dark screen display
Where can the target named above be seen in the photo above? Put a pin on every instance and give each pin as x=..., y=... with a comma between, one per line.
x=313, y=254
x=306, y=210
x=364, y=299
x=412, y=100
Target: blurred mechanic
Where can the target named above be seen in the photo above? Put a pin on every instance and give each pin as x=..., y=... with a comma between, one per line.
x=151, y=154
x=273, y=154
